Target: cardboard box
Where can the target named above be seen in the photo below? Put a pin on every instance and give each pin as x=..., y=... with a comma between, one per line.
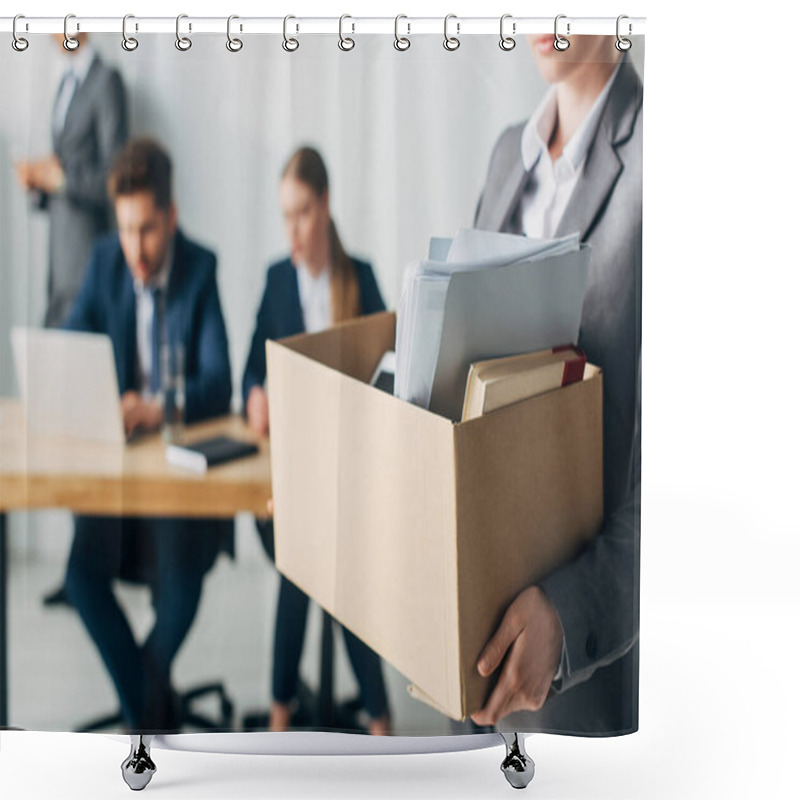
x=414, y=532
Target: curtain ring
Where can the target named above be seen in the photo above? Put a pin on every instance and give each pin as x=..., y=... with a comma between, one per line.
x=234, y=45
x=289, y=44
x=70, y=43
x=451, y=43
x=346, y=43
x=559, y=42
x=18, y=42
x=183, y=43
x=401, y=43
x=129, y=43
x=507, y=42
x=622, y=44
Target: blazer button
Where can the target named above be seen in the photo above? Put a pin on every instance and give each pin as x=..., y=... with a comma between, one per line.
x=591, y=645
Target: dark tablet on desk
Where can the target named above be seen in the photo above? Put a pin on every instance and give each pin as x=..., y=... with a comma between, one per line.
x=199, y=456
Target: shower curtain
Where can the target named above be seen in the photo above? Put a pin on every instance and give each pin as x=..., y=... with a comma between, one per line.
x=224, y=196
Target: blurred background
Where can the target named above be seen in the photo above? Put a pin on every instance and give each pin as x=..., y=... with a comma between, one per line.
x=406, y=137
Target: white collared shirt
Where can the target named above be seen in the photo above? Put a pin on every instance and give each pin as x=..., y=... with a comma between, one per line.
x=551, y=184
x=78, y=65
x=315, y=298
x=145, y=311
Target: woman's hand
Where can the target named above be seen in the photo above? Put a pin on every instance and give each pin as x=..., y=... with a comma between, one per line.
x=258, y=411
x=530, y=638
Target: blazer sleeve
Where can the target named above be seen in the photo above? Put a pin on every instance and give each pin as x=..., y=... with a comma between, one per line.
x=596, y=595
x=208, y=390
x=371, y=298
x=85, y=182
x=255, y=371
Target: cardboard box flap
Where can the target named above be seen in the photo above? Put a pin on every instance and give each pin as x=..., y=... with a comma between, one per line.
x=299, y=467
x=365, y=510
x=395, y=567
x=353, y=348
x=417, y=693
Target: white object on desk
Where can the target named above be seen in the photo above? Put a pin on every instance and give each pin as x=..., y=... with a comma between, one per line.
x=68, y=383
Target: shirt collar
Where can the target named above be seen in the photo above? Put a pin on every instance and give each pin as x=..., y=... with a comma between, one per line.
x=539, y=128
x=305, y=276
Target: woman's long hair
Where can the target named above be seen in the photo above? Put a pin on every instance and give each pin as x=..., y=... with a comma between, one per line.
x=306, y=165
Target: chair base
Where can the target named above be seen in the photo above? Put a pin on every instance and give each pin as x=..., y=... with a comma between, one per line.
x=187, y=716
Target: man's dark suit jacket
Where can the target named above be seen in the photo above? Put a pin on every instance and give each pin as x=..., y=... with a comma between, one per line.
x=280, y=314
x=597, y=595
x=107, y=304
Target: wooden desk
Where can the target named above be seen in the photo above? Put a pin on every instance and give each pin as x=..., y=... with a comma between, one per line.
x=132, y=480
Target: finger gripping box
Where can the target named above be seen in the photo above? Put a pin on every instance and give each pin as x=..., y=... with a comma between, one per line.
x=415, y=532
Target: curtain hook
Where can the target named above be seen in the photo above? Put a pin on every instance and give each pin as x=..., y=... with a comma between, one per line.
x=507, y=42
x=559, y=42
x=401, y=42
x=346, y=43
x=289, y=44
x=183, y=43
x=234, y=45
x=451, y=43
x=622, y=44
x=129, y=43
x=70, y=42
x=19, y=43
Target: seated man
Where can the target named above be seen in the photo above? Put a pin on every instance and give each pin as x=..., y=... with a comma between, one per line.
x=146, y=285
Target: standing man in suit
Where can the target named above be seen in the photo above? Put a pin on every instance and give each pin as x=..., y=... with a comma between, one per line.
x=89, y=125
x=566, y=651
x=147, y=285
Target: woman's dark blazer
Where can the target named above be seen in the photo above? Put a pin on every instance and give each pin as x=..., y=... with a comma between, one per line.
x=280, y=314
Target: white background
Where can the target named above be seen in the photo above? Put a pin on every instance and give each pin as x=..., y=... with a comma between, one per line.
x=720, y=608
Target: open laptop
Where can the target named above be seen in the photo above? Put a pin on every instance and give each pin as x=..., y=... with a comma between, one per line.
x=68, y=383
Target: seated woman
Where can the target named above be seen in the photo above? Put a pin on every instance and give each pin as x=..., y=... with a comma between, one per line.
x=317, y=286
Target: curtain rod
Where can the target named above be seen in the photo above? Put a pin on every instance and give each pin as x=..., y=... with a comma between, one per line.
x=350, y=25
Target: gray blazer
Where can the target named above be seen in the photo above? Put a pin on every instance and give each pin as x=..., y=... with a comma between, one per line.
x=95, y=127
x=597, y=595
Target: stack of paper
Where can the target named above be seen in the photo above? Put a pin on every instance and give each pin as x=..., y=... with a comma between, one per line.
x=482, y=295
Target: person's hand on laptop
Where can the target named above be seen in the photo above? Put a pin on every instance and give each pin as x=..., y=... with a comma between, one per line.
x=139, y=414
x=528, y=644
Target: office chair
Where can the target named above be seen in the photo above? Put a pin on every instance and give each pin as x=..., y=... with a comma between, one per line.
x=136, y=569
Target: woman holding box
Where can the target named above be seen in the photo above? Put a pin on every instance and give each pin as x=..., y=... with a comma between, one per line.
x=316, y=286
x=566, y=651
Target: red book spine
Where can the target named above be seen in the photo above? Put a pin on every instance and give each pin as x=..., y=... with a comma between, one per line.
x=573, y=367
